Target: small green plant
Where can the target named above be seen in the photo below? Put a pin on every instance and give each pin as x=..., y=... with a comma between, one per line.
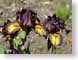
x=18, y=39
x=62, y=8
x=64, y=12
x=2, y=49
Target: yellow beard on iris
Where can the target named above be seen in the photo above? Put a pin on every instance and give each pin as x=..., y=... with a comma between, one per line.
x=55, y=39
x=13, y=26
x=40, y=30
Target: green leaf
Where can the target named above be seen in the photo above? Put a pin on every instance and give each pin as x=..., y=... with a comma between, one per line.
x=2, y=49
x=63, y=9
x=63, y=12
x=21, y=34
x=18, y=39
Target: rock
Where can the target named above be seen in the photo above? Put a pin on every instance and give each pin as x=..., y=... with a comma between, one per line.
x=4, y=42
x=38, y=45
x=69, y=23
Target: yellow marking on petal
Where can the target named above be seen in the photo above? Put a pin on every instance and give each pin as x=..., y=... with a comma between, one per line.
x=55, y=39
x=13, y=26
x=40, y=30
